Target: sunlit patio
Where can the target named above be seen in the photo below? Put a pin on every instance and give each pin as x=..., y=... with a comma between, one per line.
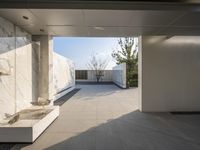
x=105, y=117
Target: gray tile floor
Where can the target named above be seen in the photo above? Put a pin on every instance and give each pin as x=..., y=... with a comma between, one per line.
x=104, y=117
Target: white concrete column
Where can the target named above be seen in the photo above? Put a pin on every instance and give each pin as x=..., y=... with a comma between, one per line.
x=45, y=66
x=140, y=72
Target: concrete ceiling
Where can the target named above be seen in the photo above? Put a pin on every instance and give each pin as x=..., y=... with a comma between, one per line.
x=105, y=23
x=102, y=4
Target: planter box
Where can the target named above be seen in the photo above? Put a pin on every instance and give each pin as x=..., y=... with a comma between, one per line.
x=26, y=130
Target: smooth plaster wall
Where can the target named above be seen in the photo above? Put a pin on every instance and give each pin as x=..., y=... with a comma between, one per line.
x=63, y=73
x=169, y=73
x=119, y=75
x=107, y=77
x=15, y=56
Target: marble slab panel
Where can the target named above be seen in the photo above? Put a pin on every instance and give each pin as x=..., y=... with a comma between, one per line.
x=63, y=73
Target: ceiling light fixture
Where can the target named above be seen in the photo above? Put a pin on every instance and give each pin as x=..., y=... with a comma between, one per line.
x=25, y=17
x=99, y=28
x=41, y=30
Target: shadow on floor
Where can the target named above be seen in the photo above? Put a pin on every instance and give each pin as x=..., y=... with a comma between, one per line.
x=139, y=131
x=94, y=83
x=91, y=91
x=135, y=131
x=66, y=97
x=6, y=146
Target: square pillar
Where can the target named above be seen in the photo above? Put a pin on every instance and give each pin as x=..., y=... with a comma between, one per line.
x=45, y=79
x=140, y=73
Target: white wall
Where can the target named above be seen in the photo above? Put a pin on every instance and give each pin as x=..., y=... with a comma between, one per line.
x=22, y=85
x=23, y=70
x=63, y=73
x=16, y=49
x=107, y=77
x=119, y=75
x=169, y=73
x=91, y=74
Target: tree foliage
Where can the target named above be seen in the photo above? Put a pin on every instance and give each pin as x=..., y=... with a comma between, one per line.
x=128, y=53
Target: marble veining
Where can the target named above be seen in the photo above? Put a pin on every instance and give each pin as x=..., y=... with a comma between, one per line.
x=16, y=49
x=7, y=36
x=7, y=52
x=21, y=86
x=23, y=69
x=63, y=73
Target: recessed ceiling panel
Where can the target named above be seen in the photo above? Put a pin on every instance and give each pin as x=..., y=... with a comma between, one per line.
x=19, y=16
x=69, y=30
x=59, y=16
x=130, y=18
x=136, y=31
x=179, y=31
x=154, y=18
x=38, y=30
x=106, y=32
x=189, y=19
x=107, y=17
x=26, y=20
x=104, y=22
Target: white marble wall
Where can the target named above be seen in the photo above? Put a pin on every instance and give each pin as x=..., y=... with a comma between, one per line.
x=119, y=75
x=63, y=73
x=23, y=69
x=7, y=53
x=16, y=50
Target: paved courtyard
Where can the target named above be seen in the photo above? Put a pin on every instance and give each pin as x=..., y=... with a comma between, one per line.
x=105, y=117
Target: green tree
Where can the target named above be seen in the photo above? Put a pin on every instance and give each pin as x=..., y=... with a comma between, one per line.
x=128, y=53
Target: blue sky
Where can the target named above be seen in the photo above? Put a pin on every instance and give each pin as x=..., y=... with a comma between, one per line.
x=80, y=49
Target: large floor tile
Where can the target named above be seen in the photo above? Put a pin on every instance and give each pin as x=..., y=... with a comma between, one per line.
x=105, y=117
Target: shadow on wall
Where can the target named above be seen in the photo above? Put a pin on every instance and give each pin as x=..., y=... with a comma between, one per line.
x=12, y=37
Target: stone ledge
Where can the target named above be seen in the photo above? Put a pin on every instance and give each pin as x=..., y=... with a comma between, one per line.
x=28, y=130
